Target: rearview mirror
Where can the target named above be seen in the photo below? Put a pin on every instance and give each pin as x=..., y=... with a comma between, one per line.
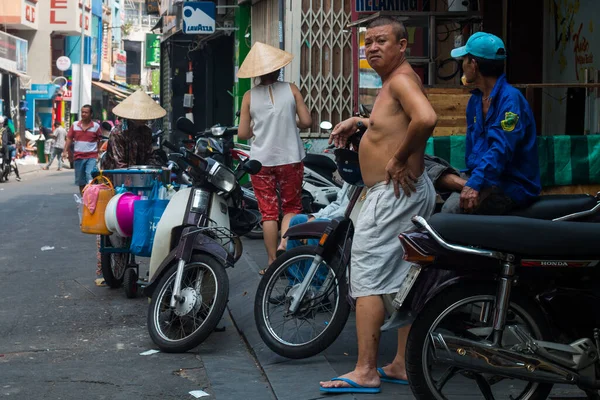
x=326, y=125
x=252, y=167
x=185, y=125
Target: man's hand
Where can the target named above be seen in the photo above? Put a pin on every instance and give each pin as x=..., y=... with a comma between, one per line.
x=342, y=131
x=397, y=171
x=469, y=199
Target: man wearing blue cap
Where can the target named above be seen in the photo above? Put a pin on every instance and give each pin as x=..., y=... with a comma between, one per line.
x=501, y=150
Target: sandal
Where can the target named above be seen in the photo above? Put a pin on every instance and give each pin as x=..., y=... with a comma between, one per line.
x=262, y=271
x=100, y=282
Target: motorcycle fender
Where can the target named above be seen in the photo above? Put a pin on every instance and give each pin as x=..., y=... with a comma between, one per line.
x=437, y=280
x=202, y=244
x=309, y=230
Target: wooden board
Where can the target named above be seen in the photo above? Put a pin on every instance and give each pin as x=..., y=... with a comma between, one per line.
x=572, y=189
x=450, y=104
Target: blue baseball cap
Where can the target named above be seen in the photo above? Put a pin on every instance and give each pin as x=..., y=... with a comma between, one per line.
x=482, y=45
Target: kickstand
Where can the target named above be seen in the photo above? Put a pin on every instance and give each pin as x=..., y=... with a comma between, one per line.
x=592, y=394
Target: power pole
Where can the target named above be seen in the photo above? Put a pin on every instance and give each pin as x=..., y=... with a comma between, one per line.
x=82, y=57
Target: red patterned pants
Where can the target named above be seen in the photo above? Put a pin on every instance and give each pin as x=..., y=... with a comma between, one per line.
x=288, y=178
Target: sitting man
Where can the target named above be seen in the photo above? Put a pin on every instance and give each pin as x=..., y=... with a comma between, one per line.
x=501, y=150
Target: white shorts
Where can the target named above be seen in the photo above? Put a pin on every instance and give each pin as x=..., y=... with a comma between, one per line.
x=377, y=267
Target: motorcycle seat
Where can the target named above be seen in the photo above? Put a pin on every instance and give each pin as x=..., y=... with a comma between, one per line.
x=320, y=162
x=522, y=237
x=555, y=206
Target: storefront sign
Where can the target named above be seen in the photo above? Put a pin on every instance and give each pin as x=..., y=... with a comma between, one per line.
x=66, y=16
x=386, y=5
x=199, y=18
x=13, y=53
x=152, y=50
x=120, y=56
x=29, y=15
x=120, y=72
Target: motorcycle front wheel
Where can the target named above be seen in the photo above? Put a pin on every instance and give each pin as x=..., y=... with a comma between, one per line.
x=322, y=313
x=204, y=288
x=468, y=311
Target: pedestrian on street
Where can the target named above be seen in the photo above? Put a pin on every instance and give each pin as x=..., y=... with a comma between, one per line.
x=49, y=143
x=268, y=115
x=85, y=135
x=392, y=166
x=7, y=135
x=60, y=137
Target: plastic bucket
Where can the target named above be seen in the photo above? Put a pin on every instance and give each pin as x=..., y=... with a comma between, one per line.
x=110, y=215
x=125, y=214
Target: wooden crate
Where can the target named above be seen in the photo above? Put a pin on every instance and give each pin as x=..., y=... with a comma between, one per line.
x=450, y=104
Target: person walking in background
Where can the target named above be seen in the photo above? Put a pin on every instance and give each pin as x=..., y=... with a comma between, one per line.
x=85, y=134
x=7, y=136
x=60, y=137
x=272, y=113
x=49, y=143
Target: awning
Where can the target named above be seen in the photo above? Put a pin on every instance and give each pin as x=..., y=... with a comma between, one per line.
x=109, y=89
x=24, y=81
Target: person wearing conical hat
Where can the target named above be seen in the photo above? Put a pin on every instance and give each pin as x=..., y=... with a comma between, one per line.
x=130, y=143
x=273, y=113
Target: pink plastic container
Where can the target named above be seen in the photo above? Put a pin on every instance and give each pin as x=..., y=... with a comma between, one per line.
x=125, y=213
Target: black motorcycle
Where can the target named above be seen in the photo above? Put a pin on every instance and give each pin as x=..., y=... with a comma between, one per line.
x=507, y=304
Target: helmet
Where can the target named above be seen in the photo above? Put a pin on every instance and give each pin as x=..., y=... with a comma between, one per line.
x=348, y=166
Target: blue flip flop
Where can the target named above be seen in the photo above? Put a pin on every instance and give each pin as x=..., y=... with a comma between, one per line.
x=385, y=378
x=356, y=388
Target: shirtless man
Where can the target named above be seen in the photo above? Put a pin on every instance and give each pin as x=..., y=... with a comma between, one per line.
x=392, y=165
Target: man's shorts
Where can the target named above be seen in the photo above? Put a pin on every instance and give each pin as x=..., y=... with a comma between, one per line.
x=289, y=180
x=83, y=170
x=377, y=267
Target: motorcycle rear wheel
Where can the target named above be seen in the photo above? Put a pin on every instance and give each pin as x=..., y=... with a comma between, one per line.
x=177, y=330
x=432, y=317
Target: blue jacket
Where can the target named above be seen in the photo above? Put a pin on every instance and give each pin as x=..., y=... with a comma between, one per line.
x=502, y=150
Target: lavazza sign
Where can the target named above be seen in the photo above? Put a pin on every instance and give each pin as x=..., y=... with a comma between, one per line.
x=199, y=18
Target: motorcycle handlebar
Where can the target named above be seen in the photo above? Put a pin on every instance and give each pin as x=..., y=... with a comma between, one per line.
x=170, y=146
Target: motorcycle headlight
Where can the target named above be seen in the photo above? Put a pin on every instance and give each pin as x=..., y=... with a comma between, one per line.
x=200, y=201
x=221, y=177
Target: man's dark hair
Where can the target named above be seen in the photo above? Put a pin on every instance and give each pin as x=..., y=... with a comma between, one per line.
x=489, y=68
x=398, y=26
x=56, y=124
x=89, y=107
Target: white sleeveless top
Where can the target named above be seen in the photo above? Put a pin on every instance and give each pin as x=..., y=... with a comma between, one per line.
x=276, y=134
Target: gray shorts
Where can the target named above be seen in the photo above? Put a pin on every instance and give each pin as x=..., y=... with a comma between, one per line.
x=377, y=266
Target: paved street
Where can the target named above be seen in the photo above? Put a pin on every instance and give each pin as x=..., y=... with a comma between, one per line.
x=64, y=338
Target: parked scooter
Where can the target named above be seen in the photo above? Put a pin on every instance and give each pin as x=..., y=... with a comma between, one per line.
x=195, y=240
x=502, y=297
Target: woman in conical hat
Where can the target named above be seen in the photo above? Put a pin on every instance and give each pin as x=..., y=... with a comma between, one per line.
x=130, y=143
x=272, y=113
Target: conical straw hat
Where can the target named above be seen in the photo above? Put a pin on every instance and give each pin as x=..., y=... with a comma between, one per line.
x=263, y=59
x=139, y=106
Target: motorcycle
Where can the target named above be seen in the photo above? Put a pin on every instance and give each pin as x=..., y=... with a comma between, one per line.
x=196, y=239
x=501, y=298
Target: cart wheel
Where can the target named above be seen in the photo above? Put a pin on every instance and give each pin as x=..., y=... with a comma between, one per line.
x=130, y=282
x=114, y=264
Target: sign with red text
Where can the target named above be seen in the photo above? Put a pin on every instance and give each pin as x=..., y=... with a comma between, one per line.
x=65, y=16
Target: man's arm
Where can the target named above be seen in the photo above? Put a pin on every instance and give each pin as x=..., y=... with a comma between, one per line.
x=420, y=112
x=70, y=137
x=504, y=135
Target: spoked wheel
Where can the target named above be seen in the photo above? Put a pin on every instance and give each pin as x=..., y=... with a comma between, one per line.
x=114, y=264
x=205, y=289
x=467, y=311
x=322, y=313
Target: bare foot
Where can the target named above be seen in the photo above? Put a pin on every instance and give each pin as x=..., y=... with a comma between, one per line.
x=366, y=379
x=396, y=371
